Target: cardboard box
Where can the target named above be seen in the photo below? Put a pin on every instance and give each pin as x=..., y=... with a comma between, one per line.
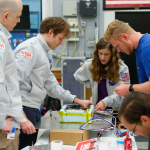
x=69, y=137
x=88, y=93
x=56, y=72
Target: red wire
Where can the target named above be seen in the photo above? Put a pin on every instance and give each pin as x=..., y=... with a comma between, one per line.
x=54, y=106
x=101, y=132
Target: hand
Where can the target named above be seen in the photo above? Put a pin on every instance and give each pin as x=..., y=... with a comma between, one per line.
x=8, y=128
x=99, y=106
x=84, y=103
x=27, y=127
x=122, y=89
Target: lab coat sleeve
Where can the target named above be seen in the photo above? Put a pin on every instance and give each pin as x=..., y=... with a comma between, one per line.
x=3, y=53
x=25, y=57
x=115, y=100
x=55, y=90
x=82, y=73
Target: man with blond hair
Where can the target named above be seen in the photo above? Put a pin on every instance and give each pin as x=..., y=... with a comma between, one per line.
x=127, y=40
x=10, y=98
x=36, y=79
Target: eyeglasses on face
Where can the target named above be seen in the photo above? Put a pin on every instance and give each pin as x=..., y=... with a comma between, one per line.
x=133, y=132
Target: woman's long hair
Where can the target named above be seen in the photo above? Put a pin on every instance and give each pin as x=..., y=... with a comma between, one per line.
x=98, y=70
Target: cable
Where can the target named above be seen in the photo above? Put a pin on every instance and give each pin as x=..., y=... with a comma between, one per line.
x=99, y=118
x=112, y=117
x=54, y=106
x=95, y=119
x=82, y=31
x=79, y=24
x=75, y=40
x=60, y=54
x=101, y=133
x=114, y=120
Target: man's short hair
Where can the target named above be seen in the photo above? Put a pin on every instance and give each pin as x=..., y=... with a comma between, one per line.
x=8, y=6
x=134, y=105
x=57, y=24
x=115, y=29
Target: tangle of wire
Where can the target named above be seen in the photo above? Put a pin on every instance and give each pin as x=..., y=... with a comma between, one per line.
x=117, y=131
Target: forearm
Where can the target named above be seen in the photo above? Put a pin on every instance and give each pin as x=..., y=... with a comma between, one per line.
x=76, y=100
x=60, y=93
x=144, y=87
x=114, y=100
x=84, y=103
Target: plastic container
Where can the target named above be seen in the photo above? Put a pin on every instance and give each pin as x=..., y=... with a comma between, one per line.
x=120, y=140
x=127, y=142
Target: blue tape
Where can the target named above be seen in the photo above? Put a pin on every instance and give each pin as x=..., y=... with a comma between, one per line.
x=120, y=141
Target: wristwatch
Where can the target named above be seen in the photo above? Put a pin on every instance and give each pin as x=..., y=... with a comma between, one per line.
x=131, y=88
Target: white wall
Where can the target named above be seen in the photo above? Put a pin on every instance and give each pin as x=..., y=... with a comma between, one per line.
x=47, y=8
x=109, y=16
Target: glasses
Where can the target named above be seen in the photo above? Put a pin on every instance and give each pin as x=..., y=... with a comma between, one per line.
x=133, y=132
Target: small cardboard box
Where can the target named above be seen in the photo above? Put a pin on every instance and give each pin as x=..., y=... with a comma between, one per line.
x=69, y=137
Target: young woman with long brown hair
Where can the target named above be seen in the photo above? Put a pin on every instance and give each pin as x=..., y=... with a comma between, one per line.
x=103, y=73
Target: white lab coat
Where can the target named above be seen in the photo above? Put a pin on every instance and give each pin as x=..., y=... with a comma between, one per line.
x=83, y=75
x=36, y=79
x=10, y=99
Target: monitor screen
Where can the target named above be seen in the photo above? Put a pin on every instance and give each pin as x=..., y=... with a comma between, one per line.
x=138, y=20
x=24, y=23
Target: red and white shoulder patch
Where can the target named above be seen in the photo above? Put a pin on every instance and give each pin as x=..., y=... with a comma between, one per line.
x=2, y=46
x=125, y=76
x=27, y=54
x=82, y=66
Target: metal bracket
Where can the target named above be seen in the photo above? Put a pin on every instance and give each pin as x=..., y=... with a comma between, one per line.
x=64, y=63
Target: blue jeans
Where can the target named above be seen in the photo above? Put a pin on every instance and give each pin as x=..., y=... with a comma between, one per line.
x=34, y=116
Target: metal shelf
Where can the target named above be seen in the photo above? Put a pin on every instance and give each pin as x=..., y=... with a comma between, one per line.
x=73, y=39
x=73, y=29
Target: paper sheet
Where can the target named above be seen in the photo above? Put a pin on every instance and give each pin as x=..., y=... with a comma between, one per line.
x=110, y=143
